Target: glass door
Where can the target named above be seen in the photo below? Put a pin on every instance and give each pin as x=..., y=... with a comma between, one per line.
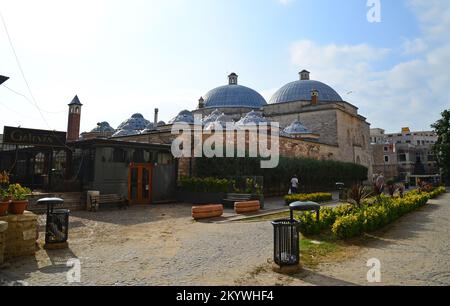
x=139, y=184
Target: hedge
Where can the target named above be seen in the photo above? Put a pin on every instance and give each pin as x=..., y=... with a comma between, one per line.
x=313, y=174
x=208, y=184
x=348, y=221
x=313, y=197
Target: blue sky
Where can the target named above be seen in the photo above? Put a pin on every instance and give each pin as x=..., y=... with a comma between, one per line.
x=126, y=58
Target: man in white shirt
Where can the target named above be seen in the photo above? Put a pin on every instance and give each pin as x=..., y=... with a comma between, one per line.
x=294, y=185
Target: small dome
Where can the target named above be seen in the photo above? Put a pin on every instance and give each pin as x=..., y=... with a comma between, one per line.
x=220, y=123
x=136, y=122
x=233, y=95
x=212, y=117
x=150, y=128
x=183, y=117
x=297, y=128
x=103, y=127
x=301, y=91
x=161, y=123
x=252, y=118
x=137, y=116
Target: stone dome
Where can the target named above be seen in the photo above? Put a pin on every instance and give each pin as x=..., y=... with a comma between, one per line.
x=296, y=128
x=252, y=118
x=301, y=91
x=233, y=95
x=103, y=127
x=136, y=122
x=150, y=128
x=212, y=117
x=183, y=117
x=220, y=123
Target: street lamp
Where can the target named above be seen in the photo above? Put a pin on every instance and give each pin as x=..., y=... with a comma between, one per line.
x=3, y=79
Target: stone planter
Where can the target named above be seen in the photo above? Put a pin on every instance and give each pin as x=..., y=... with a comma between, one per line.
x=3, y=228
x=4, y=208
x=17, y=207
x=20, y=235
x=200, y=198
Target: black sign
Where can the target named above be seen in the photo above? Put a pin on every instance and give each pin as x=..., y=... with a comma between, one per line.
x=30, y=137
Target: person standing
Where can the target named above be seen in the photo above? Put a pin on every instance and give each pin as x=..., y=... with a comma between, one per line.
x=294, y=185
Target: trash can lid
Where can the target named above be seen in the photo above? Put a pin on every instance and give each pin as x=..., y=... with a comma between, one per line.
x=46, y=201
x=304, y=206
x=61, y=211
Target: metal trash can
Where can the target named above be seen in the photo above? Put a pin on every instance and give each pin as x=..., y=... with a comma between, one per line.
x=287, y=235
x=57, y=225
x=341, y=188
x=286, y=242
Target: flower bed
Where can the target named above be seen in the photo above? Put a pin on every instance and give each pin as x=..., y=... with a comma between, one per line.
x=313, y=197
x=348, y=221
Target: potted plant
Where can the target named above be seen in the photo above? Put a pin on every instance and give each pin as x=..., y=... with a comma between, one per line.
x=4, y=201
x=19, y=201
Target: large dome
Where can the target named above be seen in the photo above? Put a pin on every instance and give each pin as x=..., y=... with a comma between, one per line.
x=233, y=95
x=301, y=91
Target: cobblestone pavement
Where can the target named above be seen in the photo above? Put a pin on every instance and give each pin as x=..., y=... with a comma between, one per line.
x=157, y=245
x=161, y=245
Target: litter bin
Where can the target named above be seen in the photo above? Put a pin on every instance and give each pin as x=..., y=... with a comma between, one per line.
x=57, y=225
x=287, y=235
x=341, y=188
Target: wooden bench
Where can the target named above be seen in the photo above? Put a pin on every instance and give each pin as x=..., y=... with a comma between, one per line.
x=232, y=198
x=247, y=207
x=207, y=211
x=105, y=199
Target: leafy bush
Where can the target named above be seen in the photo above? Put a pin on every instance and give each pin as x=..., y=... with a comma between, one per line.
x=358, y=193
x=18, y=193
x=348, y=221
x=371, y=218
x=312, y=197
x=205, y=184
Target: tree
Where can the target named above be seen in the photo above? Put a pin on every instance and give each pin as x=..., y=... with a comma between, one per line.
x=442, y=147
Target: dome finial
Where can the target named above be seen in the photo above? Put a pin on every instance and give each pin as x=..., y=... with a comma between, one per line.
x=304, y=75
x=233, y=79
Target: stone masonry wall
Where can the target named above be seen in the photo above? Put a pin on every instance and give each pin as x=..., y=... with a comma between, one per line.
x=20, y=237
x=3, y=228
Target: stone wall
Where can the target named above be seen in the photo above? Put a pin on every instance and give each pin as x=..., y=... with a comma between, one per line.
x=3, y=228
x=21, y=235
x=72, y=201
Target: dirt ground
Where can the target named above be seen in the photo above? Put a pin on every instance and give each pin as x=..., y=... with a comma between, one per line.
x=161, y=245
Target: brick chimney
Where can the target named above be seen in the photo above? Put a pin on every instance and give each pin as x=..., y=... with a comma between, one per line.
x=73, y=125
x=314, y=97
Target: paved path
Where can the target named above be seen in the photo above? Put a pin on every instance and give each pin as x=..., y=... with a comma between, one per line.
x=413, y=251
x=161, y=245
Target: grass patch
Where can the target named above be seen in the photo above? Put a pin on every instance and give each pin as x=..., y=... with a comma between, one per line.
x=316, y=249
x=313, y=252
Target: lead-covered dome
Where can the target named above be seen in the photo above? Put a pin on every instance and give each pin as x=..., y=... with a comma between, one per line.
x=233, y=95
x=301, y=91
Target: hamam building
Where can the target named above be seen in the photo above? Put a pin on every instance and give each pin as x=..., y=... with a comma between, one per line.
x=315, y=121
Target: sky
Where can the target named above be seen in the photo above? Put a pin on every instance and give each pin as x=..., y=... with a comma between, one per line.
x=126, y=57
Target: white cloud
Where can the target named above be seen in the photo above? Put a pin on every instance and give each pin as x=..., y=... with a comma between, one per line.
x=410, y=93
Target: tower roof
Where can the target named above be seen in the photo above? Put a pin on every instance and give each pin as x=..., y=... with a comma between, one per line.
x=75, y=101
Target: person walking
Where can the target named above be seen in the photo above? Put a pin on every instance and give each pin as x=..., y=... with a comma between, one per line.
x=294, y=185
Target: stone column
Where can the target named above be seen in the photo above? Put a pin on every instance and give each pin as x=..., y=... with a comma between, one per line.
x=3, y=228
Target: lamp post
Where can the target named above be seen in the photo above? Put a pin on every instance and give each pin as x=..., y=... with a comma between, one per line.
x=3, y=79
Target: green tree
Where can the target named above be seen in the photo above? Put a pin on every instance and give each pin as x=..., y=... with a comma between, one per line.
x=442, y=147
